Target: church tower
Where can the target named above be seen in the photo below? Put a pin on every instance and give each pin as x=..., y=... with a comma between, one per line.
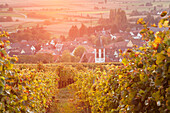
x=99, y=52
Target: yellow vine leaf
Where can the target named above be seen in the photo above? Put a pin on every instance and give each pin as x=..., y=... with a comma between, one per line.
x=168, y=52
x=160, y=58
x=25, y=97
x=124, y=61
x=166, y=23
x=158, y=40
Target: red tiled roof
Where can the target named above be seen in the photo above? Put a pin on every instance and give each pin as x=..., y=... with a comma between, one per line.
x=89, y=49
x=46, y=51
x=89, y=56
x=117, y=45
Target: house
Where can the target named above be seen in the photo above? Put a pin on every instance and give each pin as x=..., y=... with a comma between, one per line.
x=24, y=41
x=22, y=48
x=112, y=50
x=46, y=51
x=59, y=47
x=67, y=46
x=26, y=51
x=87, y=57
x=14, y=52
x=130, y=44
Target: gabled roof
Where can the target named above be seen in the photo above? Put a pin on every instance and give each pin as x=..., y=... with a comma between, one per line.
x=117, y=45
x=130, y=44
x=89, y=56
x=22, y=51
x=45, y=51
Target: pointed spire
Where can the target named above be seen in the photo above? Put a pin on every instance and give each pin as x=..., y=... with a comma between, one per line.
x=99, y=43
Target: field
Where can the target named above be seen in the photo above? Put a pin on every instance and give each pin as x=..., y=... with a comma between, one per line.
x=70, y=12
x=139, y=84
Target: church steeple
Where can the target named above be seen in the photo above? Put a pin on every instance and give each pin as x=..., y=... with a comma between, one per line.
x=99, y=43
x=99, y=51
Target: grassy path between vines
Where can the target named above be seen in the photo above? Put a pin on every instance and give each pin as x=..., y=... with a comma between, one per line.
x=64, y=102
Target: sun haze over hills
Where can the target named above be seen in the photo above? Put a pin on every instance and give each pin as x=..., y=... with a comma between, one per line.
x=40, y=2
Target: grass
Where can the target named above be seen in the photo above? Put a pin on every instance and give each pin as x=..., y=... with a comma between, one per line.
x=55, y=14
x=64, y=102
x=10, y=14
x=73, y=12
x=12, y=26
x=164, y=3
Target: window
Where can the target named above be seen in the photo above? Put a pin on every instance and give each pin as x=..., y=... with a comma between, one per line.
x=97, y=53
x=102, y=53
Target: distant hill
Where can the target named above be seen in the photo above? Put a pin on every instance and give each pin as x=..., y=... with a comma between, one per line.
x=55, y=2
x=39, y=2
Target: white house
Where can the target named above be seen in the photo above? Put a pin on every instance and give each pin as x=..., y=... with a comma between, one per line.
x=130, y=44
x=131, y=33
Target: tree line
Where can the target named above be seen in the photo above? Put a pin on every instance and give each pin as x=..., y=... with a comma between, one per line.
x=6, y=19
x=35, y=33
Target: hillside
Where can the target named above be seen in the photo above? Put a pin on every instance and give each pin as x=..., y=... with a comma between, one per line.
x=38, y=2
x=55, y=2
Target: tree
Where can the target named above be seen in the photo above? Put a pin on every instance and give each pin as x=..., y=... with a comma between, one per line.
x=127, y=8
x=90, y=30
x=36, y=34
x=9, y=19
x=47, y=22
x=10, y=9
x=62, y=38
x=106, y=40
x=83, y=30
x=92, y=39
x=6, y=5
x=149, y=4
x=119, y=39
x=135, y=13
x=114, y=29
x=79, y=51
x=154, y=8
x=75, y=59
x=149, y=18
x=20, y=26
x=73, y=32
x=66, y=57
x=44, y=57
x=38, y=47
x=118, y=17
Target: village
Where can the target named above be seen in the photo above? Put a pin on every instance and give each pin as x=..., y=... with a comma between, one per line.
x=84, y=56
x=112, y=29
x=94, y=53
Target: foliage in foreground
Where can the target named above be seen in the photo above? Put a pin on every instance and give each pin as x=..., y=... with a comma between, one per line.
x=24, y=90
x=141, y=85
